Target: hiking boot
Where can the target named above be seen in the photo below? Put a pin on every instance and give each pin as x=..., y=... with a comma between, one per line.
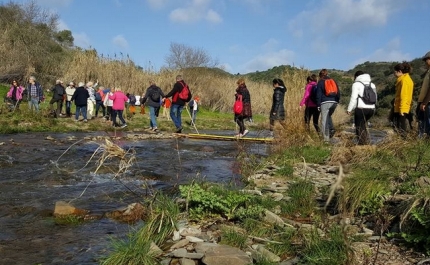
x=245, y=133
x=124, y=125
x=179, y=130
x=85, y=120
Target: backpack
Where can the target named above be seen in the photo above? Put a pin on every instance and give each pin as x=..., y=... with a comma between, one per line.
x=60, y=91
x=185, y=93
x=313, y=95
x=369, y=95
x=330, y=87
x=155, y=95
x=191, y=103
x=132, y=99
x=98, y=96
x=238, y=105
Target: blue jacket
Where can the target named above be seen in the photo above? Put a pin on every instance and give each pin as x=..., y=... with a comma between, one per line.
x=39, y=91
x=321, y=97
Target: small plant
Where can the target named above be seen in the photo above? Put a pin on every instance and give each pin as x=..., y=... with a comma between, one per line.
x=233, y=237
x=69, y=220
x=216, y=200
x=332, y=249
x=302, y=199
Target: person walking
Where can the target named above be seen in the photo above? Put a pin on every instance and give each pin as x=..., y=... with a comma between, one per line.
x=92, y=99
x=14, y=95
x=177, y=103
x=328, y=96
x=277, y=112
x=243, y=93
x=423, y=106
x=70, y=90
x=58, y=93
x=108, y=103
x=194, y=108
x=34, y=94
x=119, y=100
x=99, y=97
x=80, y=97
x=308, y=100
x=362, y=111
x=152, y=98
x=403, y=97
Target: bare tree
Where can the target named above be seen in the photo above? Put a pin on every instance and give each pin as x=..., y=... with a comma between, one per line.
x=182, y=56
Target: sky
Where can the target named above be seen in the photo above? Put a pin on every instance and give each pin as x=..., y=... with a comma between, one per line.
x=250, y=35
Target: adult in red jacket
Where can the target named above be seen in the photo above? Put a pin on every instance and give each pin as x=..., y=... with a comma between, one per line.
x=177, y=103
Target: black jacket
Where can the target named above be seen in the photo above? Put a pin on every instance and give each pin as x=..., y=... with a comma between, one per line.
x=81, y=96
x=277, y=112
x=150, y=90
x=175, y=93
x=58, y=92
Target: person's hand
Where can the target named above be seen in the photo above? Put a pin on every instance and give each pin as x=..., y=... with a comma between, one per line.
x=348, y=112
x=423, y=107
x=319, y=109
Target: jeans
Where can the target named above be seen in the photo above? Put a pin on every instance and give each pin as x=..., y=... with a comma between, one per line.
x=153, y=117
x=193, y=115
x=68, y=106
x=175, y=114
x=79, y=110
x=99, y=104
x=327, y=109
x=118, y=113
x=34, y=102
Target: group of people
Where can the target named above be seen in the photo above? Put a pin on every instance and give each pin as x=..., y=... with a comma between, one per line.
x=321, y=97
x=324, y=104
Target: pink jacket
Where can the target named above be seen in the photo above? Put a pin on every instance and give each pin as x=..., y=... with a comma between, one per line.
x=306, y=100
x=119, y=100
x=18, y=94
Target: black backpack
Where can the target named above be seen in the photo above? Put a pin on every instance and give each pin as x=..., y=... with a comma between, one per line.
x=155, y=94
x=313, y=95
x=369, y=95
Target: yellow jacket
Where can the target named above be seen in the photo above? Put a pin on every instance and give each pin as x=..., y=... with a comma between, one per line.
x=404, y=90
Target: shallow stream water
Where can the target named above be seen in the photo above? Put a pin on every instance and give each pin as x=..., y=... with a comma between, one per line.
x=39, y=169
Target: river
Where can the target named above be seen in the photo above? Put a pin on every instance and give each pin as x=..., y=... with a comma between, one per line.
x=39, y=169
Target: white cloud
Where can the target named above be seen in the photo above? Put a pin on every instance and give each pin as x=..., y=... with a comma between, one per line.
x=213, y=17
x=61, y=25
x=117, y=3
x=338, y=17
x=391, y=52
x=120, y=42
x=81, y=40
x=157, y=4
x=196, y=10
x=268, y=60
x=271, y=44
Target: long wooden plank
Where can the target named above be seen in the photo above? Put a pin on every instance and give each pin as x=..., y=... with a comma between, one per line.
x=224, y=137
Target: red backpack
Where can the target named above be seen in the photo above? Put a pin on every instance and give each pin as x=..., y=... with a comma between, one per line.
x=185, y=93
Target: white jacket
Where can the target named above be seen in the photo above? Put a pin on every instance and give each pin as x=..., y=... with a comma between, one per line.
x=108, y=102
x=357, y=90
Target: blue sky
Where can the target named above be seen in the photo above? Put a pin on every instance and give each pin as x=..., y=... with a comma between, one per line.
x=251, y=35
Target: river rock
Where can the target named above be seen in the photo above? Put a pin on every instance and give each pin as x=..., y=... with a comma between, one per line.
x=64, y=208
x=225, y=255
